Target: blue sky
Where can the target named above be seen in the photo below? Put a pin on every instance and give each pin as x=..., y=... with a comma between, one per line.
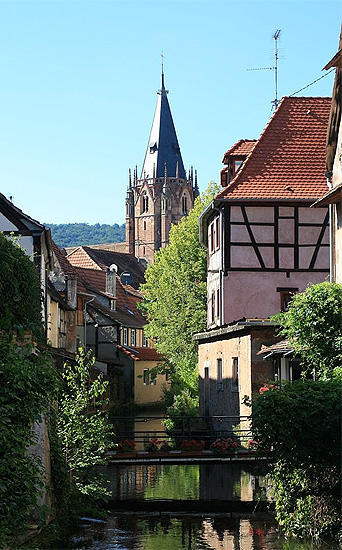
x=78, y=82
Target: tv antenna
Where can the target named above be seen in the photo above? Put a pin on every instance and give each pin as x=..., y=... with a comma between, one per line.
x=275, y=37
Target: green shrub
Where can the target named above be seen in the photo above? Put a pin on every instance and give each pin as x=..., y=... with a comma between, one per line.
x=300, y=423
x=20, y=291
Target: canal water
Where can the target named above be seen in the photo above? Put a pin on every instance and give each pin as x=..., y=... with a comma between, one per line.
x=183, y=507
x=219, y=525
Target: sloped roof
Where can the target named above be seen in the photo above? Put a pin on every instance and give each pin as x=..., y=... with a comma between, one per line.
x=63, y=261
x=18, y=217
x=113, y=247
x=79, y=258
x=288, y=160
x=241, y=148
x=126, y=312
x=163, y=147
x=94, y=258
x=141, y=354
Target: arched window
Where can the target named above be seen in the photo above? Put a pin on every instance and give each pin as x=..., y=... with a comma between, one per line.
x=184, y=204
x=144, y=202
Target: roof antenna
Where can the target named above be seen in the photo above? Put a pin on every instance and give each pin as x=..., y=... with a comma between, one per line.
x=275, y=37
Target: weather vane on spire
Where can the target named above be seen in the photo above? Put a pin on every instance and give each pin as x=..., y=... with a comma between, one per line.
x=162, y=58
x=162, y=90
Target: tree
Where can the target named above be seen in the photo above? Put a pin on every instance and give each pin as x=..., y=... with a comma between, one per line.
x=28, y=385
x=174, y=299
x=84, y=435
x=313, y=325
x=299, y=423
x=20, y=291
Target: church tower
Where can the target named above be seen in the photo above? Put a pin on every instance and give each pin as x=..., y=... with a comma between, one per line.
x=164, y=193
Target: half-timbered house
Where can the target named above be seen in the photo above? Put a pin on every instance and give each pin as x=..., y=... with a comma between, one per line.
x=264, y=244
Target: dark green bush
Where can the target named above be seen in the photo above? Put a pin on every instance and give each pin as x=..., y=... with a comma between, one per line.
x=300, y=424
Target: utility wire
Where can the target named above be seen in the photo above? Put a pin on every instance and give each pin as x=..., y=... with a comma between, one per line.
x=317, y=79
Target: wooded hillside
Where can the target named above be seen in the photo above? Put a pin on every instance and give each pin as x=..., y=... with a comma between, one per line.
x=79, y=234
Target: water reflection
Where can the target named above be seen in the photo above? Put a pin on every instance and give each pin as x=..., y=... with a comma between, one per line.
x=130, y=532
x=205, y=482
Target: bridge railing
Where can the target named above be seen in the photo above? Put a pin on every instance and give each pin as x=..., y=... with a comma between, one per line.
x=207, y=428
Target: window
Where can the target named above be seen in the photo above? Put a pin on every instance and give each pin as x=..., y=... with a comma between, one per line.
x=133, y=337
x=286, y=295
x=149, y=379
x=217, y=232
x=184, y=204
x=213, y=307
x=125, y=337
x=211, y=238
x=218, y=303
x=144, y=340
x=146, y=377
x=219, y=378
x=235, y=374
x=237, y=165
x=144, y=225
x=145, y=202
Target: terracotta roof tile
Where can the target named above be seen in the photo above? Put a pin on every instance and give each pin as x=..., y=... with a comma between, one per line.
x=127, y=299
x=141, y=354
x=241, y=148
x=288, y=160
x=278, y=347
x=94, y=258
x=79, y=258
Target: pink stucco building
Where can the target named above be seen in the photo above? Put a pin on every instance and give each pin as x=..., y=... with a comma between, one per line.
x=264, y=244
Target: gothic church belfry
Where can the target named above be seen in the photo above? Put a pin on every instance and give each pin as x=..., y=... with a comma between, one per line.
x=164, y=193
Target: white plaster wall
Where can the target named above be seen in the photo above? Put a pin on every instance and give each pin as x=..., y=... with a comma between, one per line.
x=6, y=225
x=27, y=244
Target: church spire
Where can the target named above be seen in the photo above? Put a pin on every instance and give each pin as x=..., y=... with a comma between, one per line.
x=163, y=147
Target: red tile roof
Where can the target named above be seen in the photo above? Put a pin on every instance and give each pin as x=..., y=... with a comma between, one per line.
x=127, y=299
x=241, y=148
x=94, y=258
x=141, y=354
x=288, y=160
x=79, y=258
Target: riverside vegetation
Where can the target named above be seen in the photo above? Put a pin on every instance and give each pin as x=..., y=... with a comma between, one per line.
x=300, y=422
x=31, y=392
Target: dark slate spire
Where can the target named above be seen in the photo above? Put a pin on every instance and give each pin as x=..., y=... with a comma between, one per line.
x=163, y=147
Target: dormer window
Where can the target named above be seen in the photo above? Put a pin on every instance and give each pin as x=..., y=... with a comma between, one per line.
x=176, y=149
x=153, y=147
x=237, y=165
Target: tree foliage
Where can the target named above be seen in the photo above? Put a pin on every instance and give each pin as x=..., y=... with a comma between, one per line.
x=28, y=383
x=81, y=234
x=313, y=325
x=20, y=291
x=300, y=423
x=84, y=435
x=175, y=296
